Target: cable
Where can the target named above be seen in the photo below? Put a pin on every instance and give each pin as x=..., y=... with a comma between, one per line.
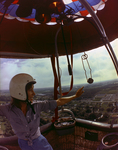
x=85, y=57
x=102, y=32
x=57, y=60
x=3, y=15
x=69, y=66
x=105, y=42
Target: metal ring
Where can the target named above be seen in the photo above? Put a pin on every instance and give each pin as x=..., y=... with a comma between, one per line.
x=85, y=56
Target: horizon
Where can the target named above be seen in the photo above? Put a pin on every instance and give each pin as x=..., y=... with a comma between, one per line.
x=67, y=86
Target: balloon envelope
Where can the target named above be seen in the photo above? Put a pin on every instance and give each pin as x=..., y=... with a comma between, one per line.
x=23, y=39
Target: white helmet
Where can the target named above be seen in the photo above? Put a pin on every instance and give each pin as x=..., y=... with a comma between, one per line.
x=17, y=86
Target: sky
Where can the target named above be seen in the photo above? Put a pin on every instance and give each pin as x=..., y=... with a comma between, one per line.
x=41, y=69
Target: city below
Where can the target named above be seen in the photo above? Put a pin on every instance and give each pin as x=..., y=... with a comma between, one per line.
x=99, y=102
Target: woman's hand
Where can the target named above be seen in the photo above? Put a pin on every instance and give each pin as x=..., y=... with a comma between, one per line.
x=79, y=92
x=64, y=100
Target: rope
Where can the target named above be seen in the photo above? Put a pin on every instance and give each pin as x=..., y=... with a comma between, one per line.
x=56, y=79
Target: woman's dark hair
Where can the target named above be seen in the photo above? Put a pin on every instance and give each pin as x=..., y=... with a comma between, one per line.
x=18, y=102
x=28, y=86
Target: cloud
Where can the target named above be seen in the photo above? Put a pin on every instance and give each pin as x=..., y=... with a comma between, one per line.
x=40, y=69
x=100, y=63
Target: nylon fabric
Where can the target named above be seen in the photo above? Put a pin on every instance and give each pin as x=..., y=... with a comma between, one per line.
x=71, y=6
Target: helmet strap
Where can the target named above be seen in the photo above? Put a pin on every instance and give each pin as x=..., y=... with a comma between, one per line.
x=28, y=102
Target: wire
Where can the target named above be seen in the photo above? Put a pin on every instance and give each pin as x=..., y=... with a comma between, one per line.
x=85, y=57
x=102, y=32
x=69, y=66
x=105, y=42
x=31, y=46
x=3, y=15
x=57, y=59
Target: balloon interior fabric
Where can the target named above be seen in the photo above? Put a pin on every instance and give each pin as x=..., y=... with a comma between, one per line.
x=24, y=37
x=53, y=10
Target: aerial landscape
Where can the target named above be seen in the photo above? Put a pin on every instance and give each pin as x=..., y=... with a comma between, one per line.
x=99, y=103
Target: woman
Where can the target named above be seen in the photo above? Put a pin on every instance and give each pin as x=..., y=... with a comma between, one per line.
x=24, y=115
